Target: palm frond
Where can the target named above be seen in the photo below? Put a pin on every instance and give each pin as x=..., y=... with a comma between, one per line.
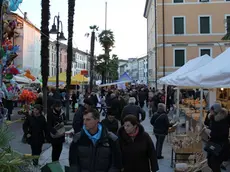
x=5, y=136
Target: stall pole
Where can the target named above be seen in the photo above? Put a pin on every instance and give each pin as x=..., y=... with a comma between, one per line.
x=201, y=107
x=166, y=94
x=178, y=103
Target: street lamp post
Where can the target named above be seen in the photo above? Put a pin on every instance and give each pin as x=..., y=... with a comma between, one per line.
x=60, y=37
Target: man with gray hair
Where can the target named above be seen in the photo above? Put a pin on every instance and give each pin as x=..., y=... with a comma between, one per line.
x=132, y=109
x=161, y=124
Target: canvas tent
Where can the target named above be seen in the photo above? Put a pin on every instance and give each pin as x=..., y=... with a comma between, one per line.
x=214, y=74
x=125, y=77
x=191, y=65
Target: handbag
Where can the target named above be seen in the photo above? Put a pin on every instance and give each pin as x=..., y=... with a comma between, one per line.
x=60, y=128
x=213, y=148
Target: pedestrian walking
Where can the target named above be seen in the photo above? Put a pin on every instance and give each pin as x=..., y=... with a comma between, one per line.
x=78, y=116
x=55, y=123
x=138, y=151
x=94, y=149
x=219, y=133
x=110, y=122
x=133, y=109
x=35, y=131
x=161, y=124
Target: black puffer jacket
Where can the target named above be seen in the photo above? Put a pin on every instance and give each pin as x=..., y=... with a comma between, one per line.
x=105, y=156
x=160, y=122
x=36, y=127
x=78, y=119
x=53, y=118
x=132, y=109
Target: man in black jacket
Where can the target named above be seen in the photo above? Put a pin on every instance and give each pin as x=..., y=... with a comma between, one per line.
x=132, y=109
x=94, y=149
x=78, y=117
x=161, y=124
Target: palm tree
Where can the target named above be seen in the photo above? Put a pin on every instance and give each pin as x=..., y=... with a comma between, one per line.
x=71, y=7
x=106, y=39
x=94, y=28
x=9, y=159
x=45, y=49
x=113, y=67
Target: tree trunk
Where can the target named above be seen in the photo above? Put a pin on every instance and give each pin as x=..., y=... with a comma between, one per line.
x=45, y=15
x=69, y=52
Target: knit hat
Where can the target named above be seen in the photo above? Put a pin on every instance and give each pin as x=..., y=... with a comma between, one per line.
x=88, y=102
x=38, y=107
x=216, y=107
x=57, y=103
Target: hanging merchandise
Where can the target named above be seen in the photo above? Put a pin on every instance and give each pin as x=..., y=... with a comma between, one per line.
x=29, y=75
x=27, y=96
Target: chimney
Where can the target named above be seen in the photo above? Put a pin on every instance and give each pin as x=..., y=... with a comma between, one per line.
x=25, y=15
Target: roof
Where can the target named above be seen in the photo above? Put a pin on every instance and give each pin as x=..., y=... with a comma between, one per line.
x=26, y=21
x=144, y=57
x=122, y=60
x=147, y=5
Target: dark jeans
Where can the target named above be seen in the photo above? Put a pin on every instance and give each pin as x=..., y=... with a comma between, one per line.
x=214, y=163
x=56, y=151
x=159, y=144
x=9, y=105
x=36, y=150
x=73, y=105
x=142, y=104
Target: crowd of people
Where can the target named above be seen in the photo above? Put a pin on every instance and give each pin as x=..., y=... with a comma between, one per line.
x=118, y=142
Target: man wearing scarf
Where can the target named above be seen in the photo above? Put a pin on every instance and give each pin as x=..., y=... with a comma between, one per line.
x=94, y=149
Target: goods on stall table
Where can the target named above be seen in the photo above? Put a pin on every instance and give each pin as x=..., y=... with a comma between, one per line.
x=181, y=142
x=195, y=103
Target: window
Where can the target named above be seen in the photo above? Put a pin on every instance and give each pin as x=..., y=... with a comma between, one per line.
x=179, y=25
x=227, y=23
x=179, y=57
x=178, y=1
x=205, y=23
x=204, y=0
x=204, y=51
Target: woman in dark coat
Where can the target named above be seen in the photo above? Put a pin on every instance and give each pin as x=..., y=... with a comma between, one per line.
x=56, y=117
x=138, y=151
x=219, y=126
x=35, y=131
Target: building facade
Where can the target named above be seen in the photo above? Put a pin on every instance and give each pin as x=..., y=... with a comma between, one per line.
x=80, y=61
x=185, y=30
x=142, y=70
x=30, y=45
x=122, y=65
x=136, y=68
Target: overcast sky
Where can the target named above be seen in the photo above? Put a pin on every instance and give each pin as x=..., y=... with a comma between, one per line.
x=125, y=19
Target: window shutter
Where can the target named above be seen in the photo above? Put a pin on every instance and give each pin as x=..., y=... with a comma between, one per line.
x=179, y=58
x=179, y=25
x=178, y=1
x=204, y=24
x=228, y=24
x=205, y=51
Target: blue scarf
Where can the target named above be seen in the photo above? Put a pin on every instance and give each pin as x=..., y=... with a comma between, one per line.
x=94, y=138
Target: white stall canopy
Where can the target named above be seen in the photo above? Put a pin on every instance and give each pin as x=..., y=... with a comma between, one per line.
x=215, y=74
x=191, y=65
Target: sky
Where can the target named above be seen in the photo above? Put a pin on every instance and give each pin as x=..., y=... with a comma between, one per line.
x=125, y=19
